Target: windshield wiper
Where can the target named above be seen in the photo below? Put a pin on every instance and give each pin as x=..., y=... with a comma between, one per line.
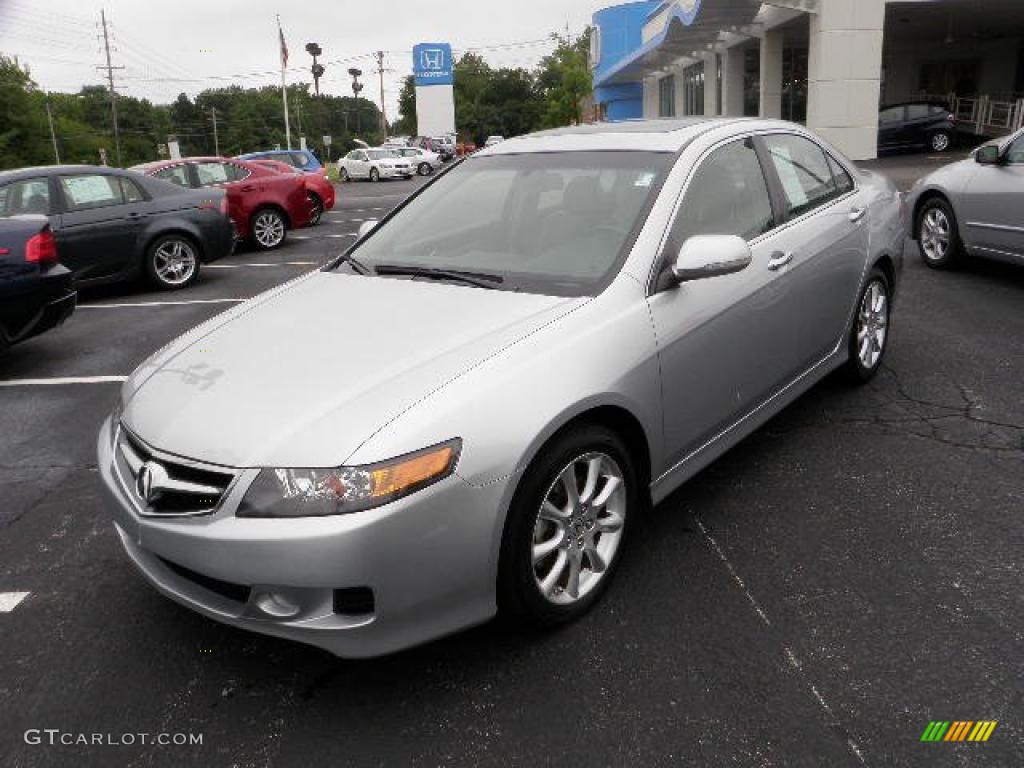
x=356, y=264
x=479, y=279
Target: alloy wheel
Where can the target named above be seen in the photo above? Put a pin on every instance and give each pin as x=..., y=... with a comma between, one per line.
x=872, y=324
x=578, y=528
x=268, y=229
x=936, y=234
x=940, y=142
x=174, y=262
x=318, y=210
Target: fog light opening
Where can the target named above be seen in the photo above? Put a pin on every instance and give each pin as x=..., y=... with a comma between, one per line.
x=276, y=605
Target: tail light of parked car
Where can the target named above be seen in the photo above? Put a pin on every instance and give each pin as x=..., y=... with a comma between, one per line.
x=41, y=249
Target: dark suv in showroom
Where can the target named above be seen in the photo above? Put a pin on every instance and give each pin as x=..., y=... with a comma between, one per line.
x=916, y=124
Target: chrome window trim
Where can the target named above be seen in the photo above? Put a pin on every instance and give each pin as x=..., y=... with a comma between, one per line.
x=652, y=276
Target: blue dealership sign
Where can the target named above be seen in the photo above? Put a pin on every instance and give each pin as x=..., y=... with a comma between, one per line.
x=432, y=64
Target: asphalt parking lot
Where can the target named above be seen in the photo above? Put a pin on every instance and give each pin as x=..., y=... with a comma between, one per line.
x=814, y=598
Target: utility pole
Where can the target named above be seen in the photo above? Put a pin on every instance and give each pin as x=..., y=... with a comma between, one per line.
x=380, y=71
x=53, y=136
x=216, y=143
x=110, y=80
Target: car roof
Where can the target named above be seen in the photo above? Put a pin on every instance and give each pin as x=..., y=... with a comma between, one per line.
x=661, y=135
x=50, y=170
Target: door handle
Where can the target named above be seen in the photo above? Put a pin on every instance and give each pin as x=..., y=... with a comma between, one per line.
x=858, y=213
x=780, y=259
x=248, y=188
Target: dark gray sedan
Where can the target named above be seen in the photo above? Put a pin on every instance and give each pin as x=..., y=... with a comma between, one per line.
x=113, y=225
x=974, y=207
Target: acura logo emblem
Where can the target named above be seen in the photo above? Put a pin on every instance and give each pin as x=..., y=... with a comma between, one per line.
x=150, y=482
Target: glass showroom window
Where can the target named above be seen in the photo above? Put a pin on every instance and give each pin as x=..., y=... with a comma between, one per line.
x=667, y=96
x=693, y=89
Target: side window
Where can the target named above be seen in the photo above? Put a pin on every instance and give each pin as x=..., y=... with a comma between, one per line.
x=235, y=172
x=727, y=195
x=211, y=174
x=91, y=191
x=891, y=115
x=841, y=178
x=299, y=160
x=917, y=111
x=805, y=174
x=28, y=196
x=1015, y=155
x=176, y=174
x=130, y=191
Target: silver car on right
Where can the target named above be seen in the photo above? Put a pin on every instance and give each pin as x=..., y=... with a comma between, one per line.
x=974, y=207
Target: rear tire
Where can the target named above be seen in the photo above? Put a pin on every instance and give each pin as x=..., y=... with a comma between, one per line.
x=558, y=555
x=424, y=169
x=172, y=262
x=938, y=234
x=343, y=175
x=940, y=141
x=374, y=175
x=869, y=334
x=268, y=229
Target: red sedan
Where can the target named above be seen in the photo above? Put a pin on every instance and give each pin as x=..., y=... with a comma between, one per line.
x=262, y=203
x=319, y=189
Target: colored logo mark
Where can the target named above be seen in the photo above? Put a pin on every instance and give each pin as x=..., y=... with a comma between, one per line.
x=958, y=730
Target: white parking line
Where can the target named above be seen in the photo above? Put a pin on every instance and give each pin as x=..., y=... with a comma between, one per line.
x=9, y=600
x=319, y=237
x=263, y=264
x=161, y=303
x=62, y=380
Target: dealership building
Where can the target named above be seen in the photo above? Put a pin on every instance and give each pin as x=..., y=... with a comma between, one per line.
x=827, y=63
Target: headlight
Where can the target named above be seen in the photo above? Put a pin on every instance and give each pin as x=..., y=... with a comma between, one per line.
x=319, y=492
x=115, y=417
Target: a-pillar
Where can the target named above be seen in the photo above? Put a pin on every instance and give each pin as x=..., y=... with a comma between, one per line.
x=844, y=71
x=771, y=73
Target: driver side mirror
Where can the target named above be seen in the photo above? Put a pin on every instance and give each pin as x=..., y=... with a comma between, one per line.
x=704, y=256
x=366, y=228
x=988, y=155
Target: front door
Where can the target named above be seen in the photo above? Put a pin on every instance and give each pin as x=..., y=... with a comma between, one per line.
x=992, y=206
x=98, y=227
x=824, y=243
x=724, y=345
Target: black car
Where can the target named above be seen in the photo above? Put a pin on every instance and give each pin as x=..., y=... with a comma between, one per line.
x=916, y=124
x=114, y=225
x=35, y=290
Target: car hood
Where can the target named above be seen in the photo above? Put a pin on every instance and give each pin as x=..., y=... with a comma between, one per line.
x=303, y=376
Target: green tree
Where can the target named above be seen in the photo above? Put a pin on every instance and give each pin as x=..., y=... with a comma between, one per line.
x=406, y=123
x=565, y=81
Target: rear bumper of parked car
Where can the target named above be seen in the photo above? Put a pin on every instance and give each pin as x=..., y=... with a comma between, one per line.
x=357, y=585
x=36, y=306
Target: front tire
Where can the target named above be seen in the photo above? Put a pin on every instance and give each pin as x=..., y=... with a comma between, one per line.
x=566, y=527
x=374, y=175
x=268, y=229
x=424, y=169
x=343, y=175
x=172, y=262
x=869, y=336
x=318, y=209
x=938, y=234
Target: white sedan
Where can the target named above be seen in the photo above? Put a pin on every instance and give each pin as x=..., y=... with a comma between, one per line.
x=425, y=161
x=374, y=164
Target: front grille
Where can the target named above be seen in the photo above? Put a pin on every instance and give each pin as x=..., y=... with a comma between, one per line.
x=239, y=593
x=172, y=486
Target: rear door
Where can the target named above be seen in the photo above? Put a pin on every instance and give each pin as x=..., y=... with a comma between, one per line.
x=242, y=191
x=99, y=224
x=724, y=343
x=890, y=122
x=993, y=207
x=176, y=174
x=822, y=248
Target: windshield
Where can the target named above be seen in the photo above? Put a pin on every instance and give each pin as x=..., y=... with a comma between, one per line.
x=555, y=223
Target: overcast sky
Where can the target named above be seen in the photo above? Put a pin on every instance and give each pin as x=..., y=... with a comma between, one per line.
x=189, y=45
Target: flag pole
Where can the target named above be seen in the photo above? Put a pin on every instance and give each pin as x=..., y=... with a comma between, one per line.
x=284, y=90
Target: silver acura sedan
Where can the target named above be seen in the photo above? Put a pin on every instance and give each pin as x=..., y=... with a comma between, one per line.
x=974, y=207
x=466, y=412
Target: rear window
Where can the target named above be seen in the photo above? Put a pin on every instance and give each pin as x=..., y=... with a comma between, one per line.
x=176, y=174
x=299, y=160
x=28, y=196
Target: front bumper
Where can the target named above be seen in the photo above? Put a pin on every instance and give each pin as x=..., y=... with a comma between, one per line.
x=429, y=559
x=395, y=173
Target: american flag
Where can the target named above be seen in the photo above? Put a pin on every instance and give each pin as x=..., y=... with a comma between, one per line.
x=284, y=46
